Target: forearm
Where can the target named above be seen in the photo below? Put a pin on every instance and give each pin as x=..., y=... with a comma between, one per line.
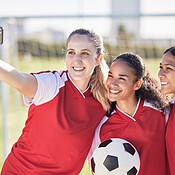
x=9, y=74
x=24, y=83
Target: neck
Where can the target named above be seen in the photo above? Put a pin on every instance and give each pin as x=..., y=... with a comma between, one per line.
x=128, y=106
x=82, y=86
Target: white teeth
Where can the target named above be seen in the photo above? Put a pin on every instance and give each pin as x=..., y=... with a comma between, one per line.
x=78, y=69
x=164, y=83
x=114, y=92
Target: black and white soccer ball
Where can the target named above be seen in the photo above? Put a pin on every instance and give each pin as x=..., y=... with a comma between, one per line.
x=115, y=157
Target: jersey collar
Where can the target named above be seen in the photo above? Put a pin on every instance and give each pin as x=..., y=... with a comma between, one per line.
x=122, y=113
x=85, y=92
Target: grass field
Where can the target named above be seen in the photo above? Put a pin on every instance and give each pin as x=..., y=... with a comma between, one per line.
x=17, y=112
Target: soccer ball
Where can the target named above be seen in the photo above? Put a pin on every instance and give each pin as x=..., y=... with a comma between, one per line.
x=115, y=157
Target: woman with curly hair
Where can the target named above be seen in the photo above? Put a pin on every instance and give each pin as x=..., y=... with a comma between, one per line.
x=135, y=114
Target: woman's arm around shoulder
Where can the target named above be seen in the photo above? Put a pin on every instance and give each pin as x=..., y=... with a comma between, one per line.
x=25, y=83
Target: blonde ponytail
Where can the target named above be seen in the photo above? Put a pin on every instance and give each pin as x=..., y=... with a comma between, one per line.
x=98, y=87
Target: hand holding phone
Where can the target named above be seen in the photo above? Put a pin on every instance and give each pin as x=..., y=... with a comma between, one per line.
x=1, y=35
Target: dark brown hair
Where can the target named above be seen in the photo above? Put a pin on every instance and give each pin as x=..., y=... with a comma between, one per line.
x=150, y=90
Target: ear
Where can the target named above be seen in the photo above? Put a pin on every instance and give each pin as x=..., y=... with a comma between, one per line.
x=138, y=84
x=99, y=59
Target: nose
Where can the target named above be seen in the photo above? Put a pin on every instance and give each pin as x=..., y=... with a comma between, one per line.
x=113, y=83
x=77, y=58
x=161, y=73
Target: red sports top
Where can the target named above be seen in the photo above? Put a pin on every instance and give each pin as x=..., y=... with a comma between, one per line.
x=170, y=139
x=145, y=130
x=59, y=130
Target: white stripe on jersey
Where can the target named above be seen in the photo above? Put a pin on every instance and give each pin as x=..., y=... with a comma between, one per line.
x=149, y=105
x=96, y=140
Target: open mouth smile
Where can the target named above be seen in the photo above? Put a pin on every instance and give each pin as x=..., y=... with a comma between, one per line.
x=78, y=68
x=163, y=83
x=114, y=92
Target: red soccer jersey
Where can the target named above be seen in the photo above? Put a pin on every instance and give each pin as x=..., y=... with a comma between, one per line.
x=145, y=130
x=59, y=130
x=170, y=140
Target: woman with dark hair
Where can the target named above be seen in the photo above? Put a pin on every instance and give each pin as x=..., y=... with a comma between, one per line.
x=135, y=114
x=167, y=78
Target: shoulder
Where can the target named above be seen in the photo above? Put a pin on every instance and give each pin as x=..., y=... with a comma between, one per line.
x=173, y=101
x=51, y=72
x=51, y=75
x=63, y=74
x=49, y=84
x=149, y=106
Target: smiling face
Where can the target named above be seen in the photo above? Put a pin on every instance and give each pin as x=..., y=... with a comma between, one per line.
x=167, y=74
x=81, y=59
x=121, y=82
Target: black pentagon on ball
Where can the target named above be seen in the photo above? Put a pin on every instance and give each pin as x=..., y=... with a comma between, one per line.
x=93, y=165
x=132, y=171
x=111, y=162
x=129, y=148
x=105, y=143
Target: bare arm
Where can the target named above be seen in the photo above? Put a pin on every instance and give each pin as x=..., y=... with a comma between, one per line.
x=23, y=82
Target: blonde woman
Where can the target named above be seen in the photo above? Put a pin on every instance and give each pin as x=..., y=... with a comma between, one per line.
x=63, y=112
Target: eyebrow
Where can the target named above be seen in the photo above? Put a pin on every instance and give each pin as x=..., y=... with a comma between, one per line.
x=122, y=75
x=81, y=50
x=168, y=65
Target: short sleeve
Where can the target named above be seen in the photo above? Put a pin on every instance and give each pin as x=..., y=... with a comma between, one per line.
x=48, y=87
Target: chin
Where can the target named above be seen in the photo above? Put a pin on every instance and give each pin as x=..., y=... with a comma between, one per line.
x=165, y=91
x=112, y=99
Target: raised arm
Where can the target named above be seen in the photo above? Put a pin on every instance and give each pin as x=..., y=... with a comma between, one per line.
x=25, y=83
